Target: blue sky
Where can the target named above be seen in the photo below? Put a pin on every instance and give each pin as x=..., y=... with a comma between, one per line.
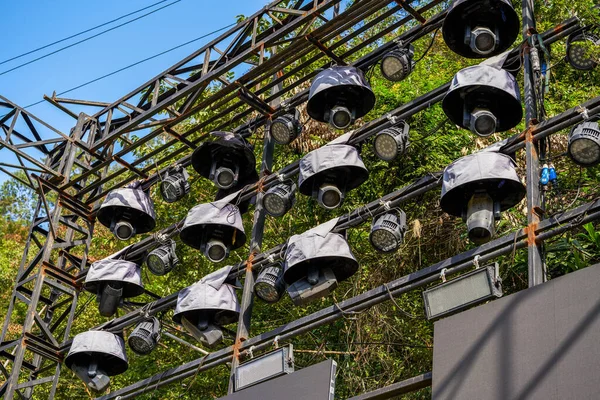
x=30, y=24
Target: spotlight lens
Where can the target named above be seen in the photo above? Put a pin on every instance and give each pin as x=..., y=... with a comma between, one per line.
x=266, y=291
x=216, y=251
x=480, y=235
x=341, y=118
x=225, y=178
x=274, y=204
x=392, y=68
x=331, y=198
x=485, y=42
x=123, y=230
x=384, y=240
x=386, y=147
x=580, y=52
x=140, y=345
x=169, y=191
x=585, y=151
x=156, y=264
x=280, y=132
x=485, y=125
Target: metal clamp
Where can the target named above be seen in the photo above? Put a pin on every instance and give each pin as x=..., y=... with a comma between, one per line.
x=443, y=274
x=584, y=112
x=393, y=119
x=476, y=261
x=276, y=342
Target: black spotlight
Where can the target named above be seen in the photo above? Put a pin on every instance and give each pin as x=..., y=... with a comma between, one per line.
x=584, y=144
x=162, y=259
x=339, y=95
x=398, y=64
x=175, y=185
x=581, y=47
x=269, y=285
x=285, y=129
x=391, y=142
x=279, y=199
x=484, y=100
x=387, y=231
x=480, y=28
x=145, y=337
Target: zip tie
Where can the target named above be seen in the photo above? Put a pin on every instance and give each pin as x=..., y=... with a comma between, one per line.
x=391, y=118
x=276, y=342
x=251, y=351
x=271, y=259
x=281, y=178
x=385, y=204
x=443, y=275
x=584, y=112
x=476, y=261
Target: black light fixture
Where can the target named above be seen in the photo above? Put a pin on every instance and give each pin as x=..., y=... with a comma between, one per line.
x=174, y=186
x=584, y=144
x=581, y=47
x=480, y=28
x=329, y=172
x=94, y=356
x=145, y=336
x=163, y=259
x=286, y=128
x=279, y=199
x=339, y=95
x=128, y=211
x=478, y=188
x=398, y=63
x=387, y=231
x=484, y=100
x=269, y=285
x=214, y=228
x=391, y=142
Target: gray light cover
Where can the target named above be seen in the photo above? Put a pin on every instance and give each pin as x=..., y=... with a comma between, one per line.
x=240, y=151
x=210, y=293
x=339, y=158
x=494, y=172
x=207, y=216
x=323, y=247
x=497, y=87
x=107, y=348
x=135, y=201
x=111, y=270
x=335, y=82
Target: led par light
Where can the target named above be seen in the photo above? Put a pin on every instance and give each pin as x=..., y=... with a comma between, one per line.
x=387, y=231
x=214, y=248
x=175, y=185
x=269, y=285
x=267, y=366
x=480, y=28
x=145, y=337
x=391, y=142
x=279, y=199
x=285, y=129
x=398, y=63
x=481, y=122
x=162, y=259
x=580, y=50
x=339, y=95
x=467, y=290
x=94, y=356
x=584, y=144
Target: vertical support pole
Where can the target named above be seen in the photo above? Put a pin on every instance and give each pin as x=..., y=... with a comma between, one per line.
x=535, y=262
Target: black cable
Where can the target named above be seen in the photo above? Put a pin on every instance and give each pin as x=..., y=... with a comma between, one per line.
x=430, y=45
x=88, y=38
x=81, y=33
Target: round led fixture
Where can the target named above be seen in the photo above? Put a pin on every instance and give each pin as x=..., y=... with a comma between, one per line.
x=391, y=142
x=387, y=231
x=145, y=337
x=285, y=129
x=398, y=64
x=279, y=199
x=580, y=50
x=269, y=285
x=584, y=144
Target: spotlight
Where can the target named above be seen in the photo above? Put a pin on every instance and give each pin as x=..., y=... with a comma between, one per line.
x=94, y=356
x=163, y=259
x=175, y=185
x=279, y=199
x=480, y=28
x=128, y=211
x=387, y=231
x=243, y=205
x=391, y=142
x=484, y=100
x=329, y=172
x=580, y=50
x=584, y=144
x=285, y=129
x=269, y=285
x=398, y=64
x=467, y=290
x=214, y=249
x=478, y=188
x=339, y=95
x=145, y=337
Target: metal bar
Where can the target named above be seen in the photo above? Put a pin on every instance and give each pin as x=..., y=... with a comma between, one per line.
x=396, y=389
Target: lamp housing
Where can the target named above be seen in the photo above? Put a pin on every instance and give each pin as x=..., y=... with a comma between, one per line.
x=175, y=185
x=397, y=64
x=145, y=337
x=387, y=231
x=584, y=144
x=391, y=142
x=163, y=259
x=286, y=128
x=279, y=199
x=269, y=285
x=264, y=367
x=581, y=47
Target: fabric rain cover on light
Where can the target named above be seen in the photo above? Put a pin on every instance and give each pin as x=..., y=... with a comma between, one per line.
x=111, y=270
x=138, y=203
x=105, y=347
x=207, y=216
x=241, y=151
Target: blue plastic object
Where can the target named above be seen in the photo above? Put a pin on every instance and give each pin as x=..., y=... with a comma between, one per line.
x=545, y=177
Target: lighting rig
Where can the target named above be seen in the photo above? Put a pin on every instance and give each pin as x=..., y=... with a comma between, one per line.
x=286, y=128
x=269, y=285
x=174, y=186
x=398, y=63
x=145, y=337
x=387, y=231
x=163, y=259
x=392, y=142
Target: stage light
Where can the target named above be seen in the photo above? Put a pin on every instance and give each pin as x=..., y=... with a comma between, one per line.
x=174, y=186
x=145, y=337
x=584, y=144
x=269, y=285
x=387, y=231
x=484, y=100
x=339, y=95
x=128, y=211
x=285, y=129
x=113, y=280
x=398, y=63
x=478, y=188
x=163, y=259
x=264, y=367
x=391, y=142
x=467, y=290
x=315, y=262
x=279, y=199
x=581, y=48
x=480, y=28
x=214, y=228
x=94, y=356
x=329, y=172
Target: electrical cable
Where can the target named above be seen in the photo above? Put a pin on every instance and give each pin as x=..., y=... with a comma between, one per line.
x=81, y=33
x=428, y=47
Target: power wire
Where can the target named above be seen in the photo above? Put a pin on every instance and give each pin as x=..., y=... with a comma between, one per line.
x=80, y=33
